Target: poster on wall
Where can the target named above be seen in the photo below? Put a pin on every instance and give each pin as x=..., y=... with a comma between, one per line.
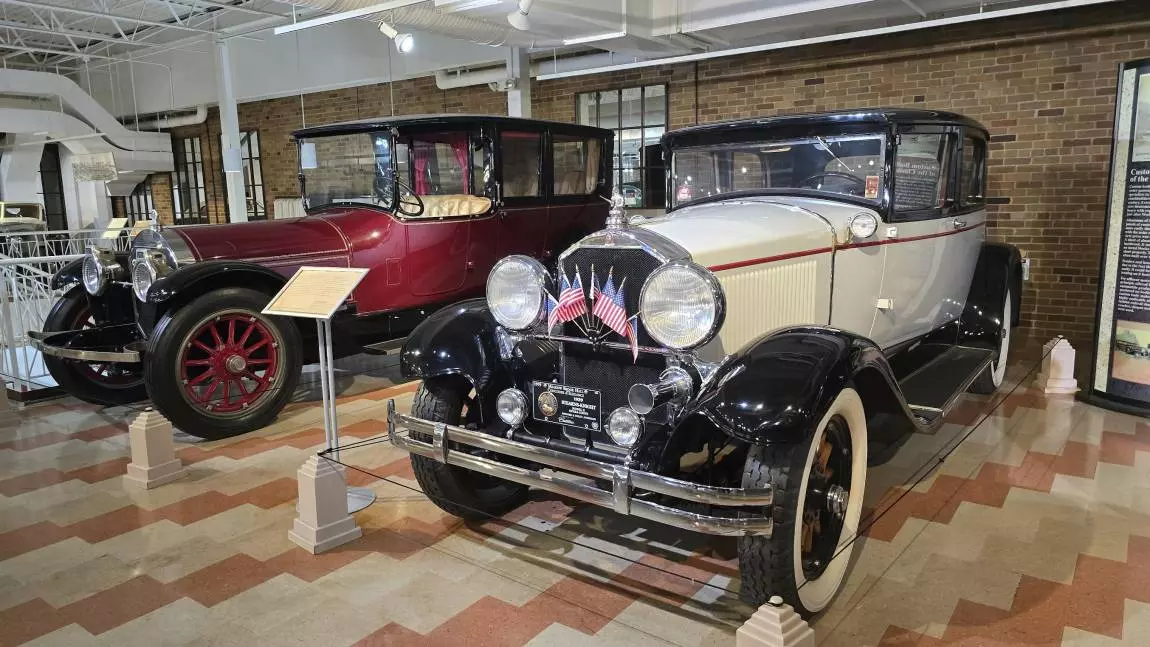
x=1121, y=375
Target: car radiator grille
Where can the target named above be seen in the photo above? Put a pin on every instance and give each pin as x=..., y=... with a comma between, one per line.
x=612, y=371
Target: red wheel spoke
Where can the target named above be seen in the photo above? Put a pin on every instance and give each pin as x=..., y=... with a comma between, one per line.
x=227, y=391
x=216, y=335
x=258, y=345
x=197, y=362
x=201, y=377
x=259, y=361
x=247, y=333
x=211, y=390
x=231, y=331
x=204, y=347
x=240, y=385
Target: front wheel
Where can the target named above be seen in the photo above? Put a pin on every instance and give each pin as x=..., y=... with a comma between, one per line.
x=106, y=383
x=217, y=367
x=458, y=491
x=818, y=494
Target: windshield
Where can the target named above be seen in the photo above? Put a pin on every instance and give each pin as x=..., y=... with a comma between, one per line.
x=845, y=165
x=353, y=167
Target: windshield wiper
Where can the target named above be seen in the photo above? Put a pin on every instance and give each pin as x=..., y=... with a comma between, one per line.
x=832, y=153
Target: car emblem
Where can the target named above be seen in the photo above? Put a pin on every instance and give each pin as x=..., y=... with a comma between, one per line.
x=548, y=404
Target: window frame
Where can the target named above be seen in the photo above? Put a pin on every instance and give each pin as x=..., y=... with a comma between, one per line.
x=980, y=141
x=140, y=203
x=542, y=192
x=185, y=169
x=644, y=168
x=945, y=206
x=249, y=163
x=549, y=164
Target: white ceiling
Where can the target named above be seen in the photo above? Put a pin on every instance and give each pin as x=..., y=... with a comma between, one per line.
x=68, y=35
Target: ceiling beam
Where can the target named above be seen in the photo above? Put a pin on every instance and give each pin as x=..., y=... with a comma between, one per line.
x=345, y=15
x=199, y=4
x=106, y=16
x=86, y=35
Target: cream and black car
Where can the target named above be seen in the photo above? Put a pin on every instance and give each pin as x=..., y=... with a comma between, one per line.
x=819, y=287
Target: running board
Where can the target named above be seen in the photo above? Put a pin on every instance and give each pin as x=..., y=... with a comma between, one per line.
x=389, y=347
x=932, y=390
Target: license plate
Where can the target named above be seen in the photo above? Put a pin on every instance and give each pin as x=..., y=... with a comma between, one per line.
x=572, y=406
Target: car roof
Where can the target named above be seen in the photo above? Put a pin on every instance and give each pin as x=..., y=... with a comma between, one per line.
x=454, y=120
x=880, y=116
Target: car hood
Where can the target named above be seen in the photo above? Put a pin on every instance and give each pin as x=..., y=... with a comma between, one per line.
x=721, y=233
x=304, y=238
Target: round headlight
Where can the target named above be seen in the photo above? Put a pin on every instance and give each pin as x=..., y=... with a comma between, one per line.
x=515, y=291
x=681, y=305
x=624, y=426
x=511, y=406
x=143, y=275
x=92, y=273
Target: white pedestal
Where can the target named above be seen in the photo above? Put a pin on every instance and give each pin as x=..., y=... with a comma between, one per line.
x=154, y=461
x=323, y=521
x=1057, y=374
x=775, y=625
x=8, y=415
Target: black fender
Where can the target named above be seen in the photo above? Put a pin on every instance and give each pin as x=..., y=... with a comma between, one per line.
x=778, y=387
x=193, y=280
x=457, y=340
x=999, y=267
x=70, y=274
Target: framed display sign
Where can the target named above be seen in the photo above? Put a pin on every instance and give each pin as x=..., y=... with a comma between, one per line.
x=1121, y=374
x=315, y=292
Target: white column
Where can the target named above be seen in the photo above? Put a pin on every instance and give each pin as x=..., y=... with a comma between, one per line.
x=95, y=206
x=519, y=70
x=20, y=169
x=230, y=134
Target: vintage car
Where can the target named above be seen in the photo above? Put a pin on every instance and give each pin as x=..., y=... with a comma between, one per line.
x=819, y=287
x=427, y=203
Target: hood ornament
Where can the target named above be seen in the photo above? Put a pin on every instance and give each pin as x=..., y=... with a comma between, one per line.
x=617, y=216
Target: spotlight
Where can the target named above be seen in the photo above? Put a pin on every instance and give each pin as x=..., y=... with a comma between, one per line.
x=404, y=42
x=518, y=18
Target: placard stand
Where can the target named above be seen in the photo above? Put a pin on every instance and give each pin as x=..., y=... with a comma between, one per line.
x=316, y=293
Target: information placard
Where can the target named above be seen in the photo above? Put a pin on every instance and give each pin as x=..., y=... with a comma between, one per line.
x=1121, y=375
x=315, y=292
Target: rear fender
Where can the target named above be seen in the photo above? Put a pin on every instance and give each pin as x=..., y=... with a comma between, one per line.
x=777, y=388
x=999, y=267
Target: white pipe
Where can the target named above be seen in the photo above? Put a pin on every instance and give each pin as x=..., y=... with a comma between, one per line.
x=446, y=80
x=879, y=31
x=197, y=117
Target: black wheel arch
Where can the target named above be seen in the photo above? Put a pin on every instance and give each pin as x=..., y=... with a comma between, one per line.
x=999, y=268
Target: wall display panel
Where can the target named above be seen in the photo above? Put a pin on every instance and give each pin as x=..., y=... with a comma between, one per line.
x=1121, y=375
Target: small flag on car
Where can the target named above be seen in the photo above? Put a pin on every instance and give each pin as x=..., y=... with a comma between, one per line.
x=610, y=308
x=571, y=302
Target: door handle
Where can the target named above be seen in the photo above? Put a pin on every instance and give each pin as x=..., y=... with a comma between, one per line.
x=959, y=223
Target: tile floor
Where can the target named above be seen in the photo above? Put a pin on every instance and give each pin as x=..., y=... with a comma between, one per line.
x=1034, y=531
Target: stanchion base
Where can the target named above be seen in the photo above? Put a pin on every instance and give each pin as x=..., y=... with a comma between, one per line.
x=359, y=498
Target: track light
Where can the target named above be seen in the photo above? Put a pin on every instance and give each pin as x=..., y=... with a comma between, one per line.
x=518, y=18
x=404, y=42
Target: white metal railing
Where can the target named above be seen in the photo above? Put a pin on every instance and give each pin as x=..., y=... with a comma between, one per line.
x=28, y=261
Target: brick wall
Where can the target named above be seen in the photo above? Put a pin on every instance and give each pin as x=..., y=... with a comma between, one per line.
x=1044, y=85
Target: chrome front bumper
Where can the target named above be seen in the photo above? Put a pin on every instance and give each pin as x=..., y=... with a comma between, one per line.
x=90, y=344
x=569, y=475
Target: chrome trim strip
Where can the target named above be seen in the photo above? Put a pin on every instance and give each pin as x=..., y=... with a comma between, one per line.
x=622, y=478
x=661, y=247
x=41, y=341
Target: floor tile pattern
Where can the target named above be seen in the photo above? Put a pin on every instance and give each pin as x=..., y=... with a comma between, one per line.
x=1033, y=531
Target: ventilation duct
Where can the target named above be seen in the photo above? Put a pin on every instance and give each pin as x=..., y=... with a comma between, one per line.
x=198, y=117
x=424, y=17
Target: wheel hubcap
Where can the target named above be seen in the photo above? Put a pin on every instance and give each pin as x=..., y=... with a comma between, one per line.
x=229, y=363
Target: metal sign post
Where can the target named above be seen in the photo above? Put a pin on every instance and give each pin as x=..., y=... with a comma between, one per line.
x=316, y=293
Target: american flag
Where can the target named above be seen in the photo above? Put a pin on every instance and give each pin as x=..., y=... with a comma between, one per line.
x=571, y=302
x=610, y=308
x=552, y=313
x=633, y=336
x=593, y=291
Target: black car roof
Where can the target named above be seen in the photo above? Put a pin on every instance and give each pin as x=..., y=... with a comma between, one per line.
x=381, y=123
x=880, y=116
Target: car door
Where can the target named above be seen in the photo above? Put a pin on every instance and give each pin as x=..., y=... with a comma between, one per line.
x=968, y=225
x=521, y=196
x=916, y=279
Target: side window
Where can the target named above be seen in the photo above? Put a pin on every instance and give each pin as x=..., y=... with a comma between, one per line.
x=972, y=177
x=522, y=154
x=920, y=173
x=441, y=164
x=576, y=164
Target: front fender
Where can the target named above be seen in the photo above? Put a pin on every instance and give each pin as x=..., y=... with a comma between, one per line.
x=192, y=280
x=68, y=275
x=778, y=387
x=457, y=340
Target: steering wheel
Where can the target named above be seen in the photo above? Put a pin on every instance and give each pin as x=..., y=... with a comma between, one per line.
x=861, y=183
x=410, y=204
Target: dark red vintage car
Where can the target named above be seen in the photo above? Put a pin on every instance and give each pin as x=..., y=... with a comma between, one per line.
x=427, y=203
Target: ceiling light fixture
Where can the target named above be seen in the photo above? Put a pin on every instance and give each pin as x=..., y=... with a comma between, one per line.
x=404, y=42
x=594, y=38
x=518, y=18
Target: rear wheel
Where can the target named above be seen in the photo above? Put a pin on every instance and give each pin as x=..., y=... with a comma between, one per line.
x=818, y=491
x=991, y=378
x=458, y=491
x=217, y=367
x=106, y=383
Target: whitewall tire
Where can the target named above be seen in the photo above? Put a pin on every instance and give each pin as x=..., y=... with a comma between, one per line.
x=990, y=379
x=818, y=485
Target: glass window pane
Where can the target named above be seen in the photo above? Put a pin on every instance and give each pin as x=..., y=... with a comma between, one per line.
x=521, y=157
x=631, y=108
x=654, y=105
x=576, y=164
x=609, y=109
x=919, y=171
x=631, y=143
x=586, y=107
